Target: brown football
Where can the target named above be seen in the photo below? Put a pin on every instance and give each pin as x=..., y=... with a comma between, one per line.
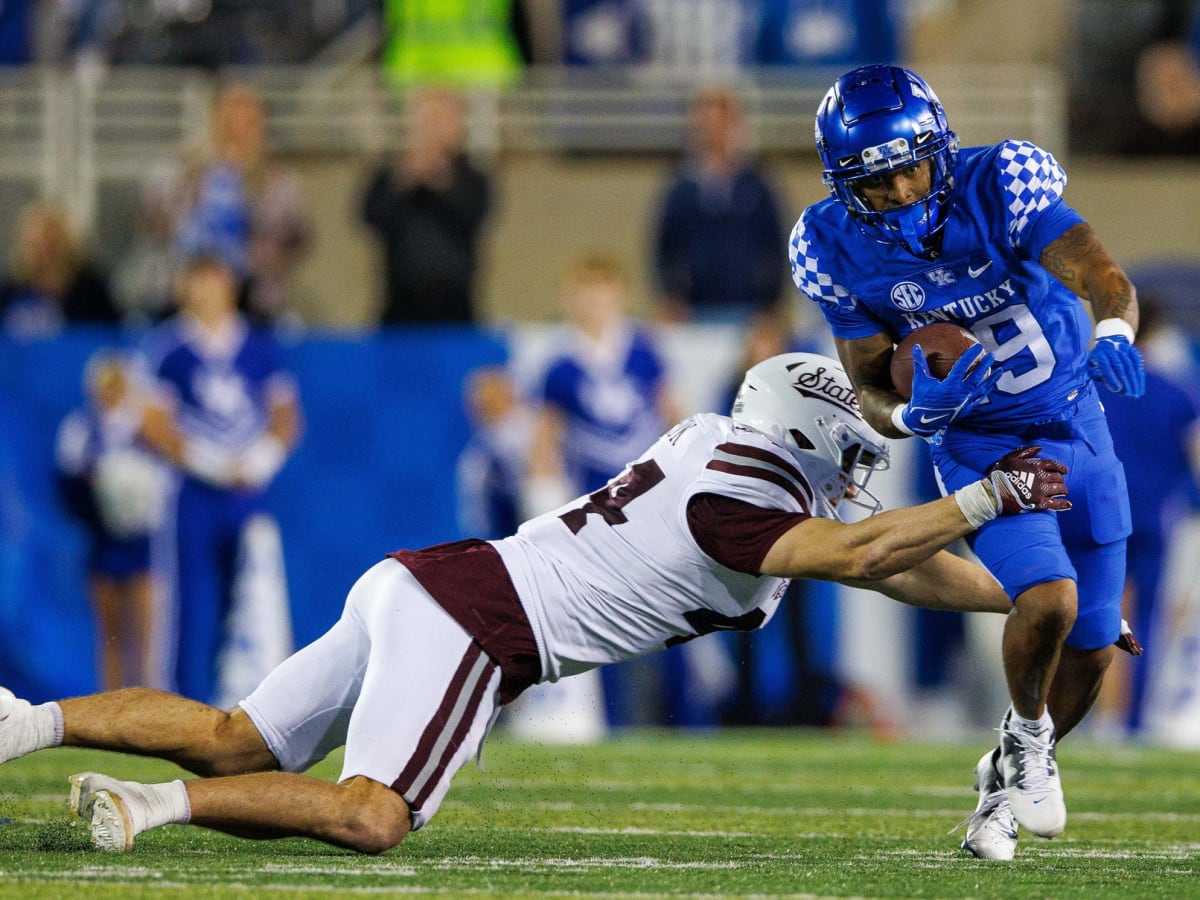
x=942, y=342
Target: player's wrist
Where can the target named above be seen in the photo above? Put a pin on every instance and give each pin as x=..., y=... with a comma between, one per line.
x=1114, y=327
x=977, y=502
x=898, y=418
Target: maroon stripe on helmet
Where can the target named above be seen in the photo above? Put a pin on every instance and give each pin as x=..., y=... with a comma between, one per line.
x=764, y=456
x=430, y=738
x=475, y=692
x=775, y=478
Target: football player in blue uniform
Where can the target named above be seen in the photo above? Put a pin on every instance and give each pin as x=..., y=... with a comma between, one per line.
x=917, y=231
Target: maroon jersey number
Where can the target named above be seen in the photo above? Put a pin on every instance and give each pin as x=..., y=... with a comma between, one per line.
x=610, y=500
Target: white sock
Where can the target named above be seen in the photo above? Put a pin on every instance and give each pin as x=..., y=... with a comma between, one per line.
x=152, y=805
x=42, y=727
x=1032, y=726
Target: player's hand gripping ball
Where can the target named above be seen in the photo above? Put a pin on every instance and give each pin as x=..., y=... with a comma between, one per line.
x=942, y=343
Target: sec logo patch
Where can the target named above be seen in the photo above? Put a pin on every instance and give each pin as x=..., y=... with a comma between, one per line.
x=908, y=295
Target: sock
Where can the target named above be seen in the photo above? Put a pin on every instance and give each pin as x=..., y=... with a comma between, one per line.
x=41, y=728
x=1032, y=726
x=56, y=720
x=152, y=805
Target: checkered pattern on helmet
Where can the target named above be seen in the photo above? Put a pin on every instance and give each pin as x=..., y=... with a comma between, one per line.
x=1032, y=179
x=813, y=282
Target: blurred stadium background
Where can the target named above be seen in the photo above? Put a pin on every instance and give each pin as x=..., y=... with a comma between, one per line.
x=98, y=94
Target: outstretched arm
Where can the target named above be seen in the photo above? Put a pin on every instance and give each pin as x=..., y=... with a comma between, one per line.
x=944, y=581
x=896, y=541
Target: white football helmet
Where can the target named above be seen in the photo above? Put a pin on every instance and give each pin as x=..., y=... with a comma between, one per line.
x=805, y=402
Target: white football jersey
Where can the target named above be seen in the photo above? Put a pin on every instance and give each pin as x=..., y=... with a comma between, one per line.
x=617, y=574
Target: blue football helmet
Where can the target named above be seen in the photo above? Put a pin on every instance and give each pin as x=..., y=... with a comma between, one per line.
x=876, y=119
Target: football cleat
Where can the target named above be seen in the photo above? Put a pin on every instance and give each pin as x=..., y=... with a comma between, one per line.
x=111, y=826
x=991, y=829
x=1030, y=775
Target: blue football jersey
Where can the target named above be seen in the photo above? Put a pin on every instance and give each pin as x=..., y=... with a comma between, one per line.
x=1007, y=207
x=223, y=392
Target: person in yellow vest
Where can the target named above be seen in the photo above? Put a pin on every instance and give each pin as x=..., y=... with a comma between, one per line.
x=461, y=42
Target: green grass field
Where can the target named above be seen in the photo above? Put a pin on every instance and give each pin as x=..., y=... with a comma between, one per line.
x=657, y=814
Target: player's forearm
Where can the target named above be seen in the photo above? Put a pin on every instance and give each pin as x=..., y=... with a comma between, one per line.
x=945, y=581
x=871, y=550
x=1079, y=261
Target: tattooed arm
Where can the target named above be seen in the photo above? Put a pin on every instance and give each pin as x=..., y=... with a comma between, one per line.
x=1080, y=262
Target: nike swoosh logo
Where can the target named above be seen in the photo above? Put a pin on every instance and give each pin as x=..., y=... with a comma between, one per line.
x=975, y=273
x=924, y=137
x=929, y=420
x=1036, y=802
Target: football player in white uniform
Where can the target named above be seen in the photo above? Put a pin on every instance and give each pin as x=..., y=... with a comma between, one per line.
x=699, y=534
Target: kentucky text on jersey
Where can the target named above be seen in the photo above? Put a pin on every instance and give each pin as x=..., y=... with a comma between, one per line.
x=1007, y=208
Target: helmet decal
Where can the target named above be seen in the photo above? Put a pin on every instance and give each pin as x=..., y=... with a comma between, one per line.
x=805, y=402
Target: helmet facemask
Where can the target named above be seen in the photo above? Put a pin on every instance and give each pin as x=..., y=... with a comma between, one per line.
x=857, y=457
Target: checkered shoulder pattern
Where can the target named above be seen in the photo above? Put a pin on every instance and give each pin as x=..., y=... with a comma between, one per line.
x=1032, y=180
x=806, y=273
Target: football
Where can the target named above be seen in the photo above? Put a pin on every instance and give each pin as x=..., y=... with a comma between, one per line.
x=942, y=342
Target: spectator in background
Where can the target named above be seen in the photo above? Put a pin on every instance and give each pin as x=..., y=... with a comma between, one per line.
x=226, y=412
x=457, y=42
x=1168, y=101
x=233, y=197
x=491, y=469
x=719, y=245
x=602, y=399
x=1158, y=439
x=800, y=686
x=427, y=206
x=51, y=282
x=118, y=491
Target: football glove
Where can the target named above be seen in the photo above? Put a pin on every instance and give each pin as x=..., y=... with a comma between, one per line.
x=1117, y=364
x=935, y=404
x=1021, y=481
x=1127, y=641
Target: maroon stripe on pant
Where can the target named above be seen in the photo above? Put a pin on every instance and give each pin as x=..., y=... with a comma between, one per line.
x=438, y=724
x=456, y=739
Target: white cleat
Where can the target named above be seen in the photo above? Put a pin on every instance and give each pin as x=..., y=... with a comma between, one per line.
x=83, y=791
x=991, y=829
x=111, y=827
x=98, y=800
x=1030, y=774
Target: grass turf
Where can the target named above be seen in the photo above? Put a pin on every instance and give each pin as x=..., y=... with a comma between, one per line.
x=733, y=814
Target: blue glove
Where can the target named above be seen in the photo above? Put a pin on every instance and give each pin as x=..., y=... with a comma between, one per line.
x=1117, y=364
x=935, y=404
